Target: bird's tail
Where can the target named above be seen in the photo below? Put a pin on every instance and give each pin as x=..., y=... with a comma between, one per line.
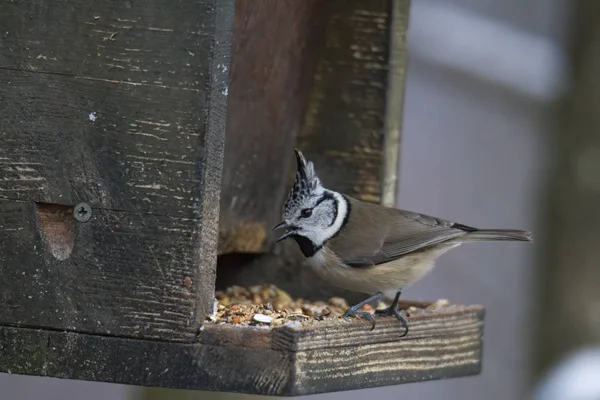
x=497, y=234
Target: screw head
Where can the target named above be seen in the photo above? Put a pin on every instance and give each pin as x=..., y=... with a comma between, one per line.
x=82, y=212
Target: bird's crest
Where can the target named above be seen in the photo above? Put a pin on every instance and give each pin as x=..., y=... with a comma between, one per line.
x=307, y=183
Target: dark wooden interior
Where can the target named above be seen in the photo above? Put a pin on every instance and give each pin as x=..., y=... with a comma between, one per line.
x=336, y=64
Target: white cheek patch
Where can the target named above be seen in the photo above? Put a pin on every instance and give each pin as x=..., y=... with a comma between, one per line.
x=319, y=237
x=342, y=212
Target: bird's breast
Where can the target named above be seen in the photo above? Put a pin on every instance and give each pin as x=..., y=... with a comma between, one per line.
x=330, y=268
x=393, y=275
x=320, y=259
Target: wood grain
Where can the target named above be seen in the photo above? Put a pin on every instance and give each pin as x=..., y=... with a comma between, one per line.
x=138, y=155
x=239, y=359
x=125, y=275
x=371, y=366
x=341, y=333
x=394, y=114
x=233, y=336
x=158, y=42
x=74, y=129
x=141, y=141
x=343, y=131
x=440, y=344
x=344, y=124
x=143, y=362
x=273, y=59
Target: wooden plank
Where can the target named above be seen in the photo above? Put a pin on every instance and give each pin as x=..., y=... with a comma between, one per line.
x=448, y=322
x=368, y=366
x=137, y=155
x=274, y=54
x=141, y=148
x=348, y=356
x=158, y=42
x=126, y=274
x=394, y=113
x=233, y=336
x=162, y=364
x=145, y=363
x=124, y=139
x=23, y=351
x=343, y=129
x=323, y=360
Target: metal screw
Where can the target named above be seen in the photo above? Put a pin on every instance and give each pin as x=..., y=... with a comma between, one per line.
x=82, y=212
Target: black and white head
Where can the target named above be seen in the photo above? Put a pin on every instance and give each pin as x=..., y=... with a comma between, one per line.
x=311, y=213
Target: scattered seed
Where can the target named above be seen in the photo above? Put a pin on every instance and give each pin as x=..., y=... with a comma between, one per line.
x=269, y=305
x=265, y=319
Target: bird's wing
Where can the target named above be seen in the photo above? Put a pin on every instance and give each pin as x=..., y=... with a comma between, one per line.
x=377, y=234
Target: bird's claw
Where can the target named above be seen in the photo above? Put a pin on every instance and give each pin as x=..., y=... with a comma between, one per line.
x=388, y=312
x=362, y=315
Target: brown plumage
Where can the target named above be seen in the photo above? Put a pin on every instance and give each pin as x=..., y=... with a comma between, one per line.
x=382, y=249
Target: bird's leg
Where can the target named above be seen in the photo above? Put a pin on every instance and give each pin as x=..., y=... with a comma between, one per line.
x=352, y=311
x=393, y=310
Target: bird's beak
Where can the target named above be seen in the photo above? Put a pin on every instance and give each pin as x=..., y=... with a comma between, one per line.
x=288, y=233
x=280, y=225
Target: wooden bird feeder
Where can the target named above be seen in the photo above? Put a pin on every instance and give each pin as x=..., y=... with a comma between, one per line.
x=138, y=146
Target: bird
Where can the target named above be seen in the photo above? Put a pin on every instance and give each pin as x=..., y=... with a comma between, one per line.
x=366, y=247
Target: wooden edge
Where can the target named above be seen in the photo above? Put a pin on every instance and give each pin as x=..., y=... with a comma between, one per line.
x=438, y=324
x=313, y=335
x=283, y=361
x=339, y=355
x=143, y=362
x=397, y=62
x=211, y=164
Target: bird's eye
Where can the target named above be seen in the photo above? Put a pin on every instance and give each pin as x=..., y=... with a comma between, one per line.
x=307, y=212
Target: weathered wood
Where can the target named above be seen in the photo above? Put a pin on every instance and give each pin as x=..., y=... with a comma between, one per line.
x=273, y=57
x=394, y=101
x=450, y=323
x=127, y=274
x=138, y=155
x=142, y=144
x=159, y=43
x=142, y=362
x=344, y=124
x=568, y=271
x=352, y=106
x=23, y=351
x=283, y=361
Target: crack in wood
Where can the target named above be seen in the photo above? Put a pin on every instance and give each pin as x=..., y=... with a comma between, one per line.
x=141, y=213
x=115, y=81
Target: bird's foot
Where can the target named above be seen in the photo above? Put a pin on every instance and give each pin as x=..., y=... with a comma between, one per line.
x=393, y=310
x=362, y=315
x=353, y=311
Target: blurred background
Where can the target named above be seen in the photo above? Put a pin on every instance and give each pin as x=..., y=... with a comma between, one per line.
x=493, y=89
